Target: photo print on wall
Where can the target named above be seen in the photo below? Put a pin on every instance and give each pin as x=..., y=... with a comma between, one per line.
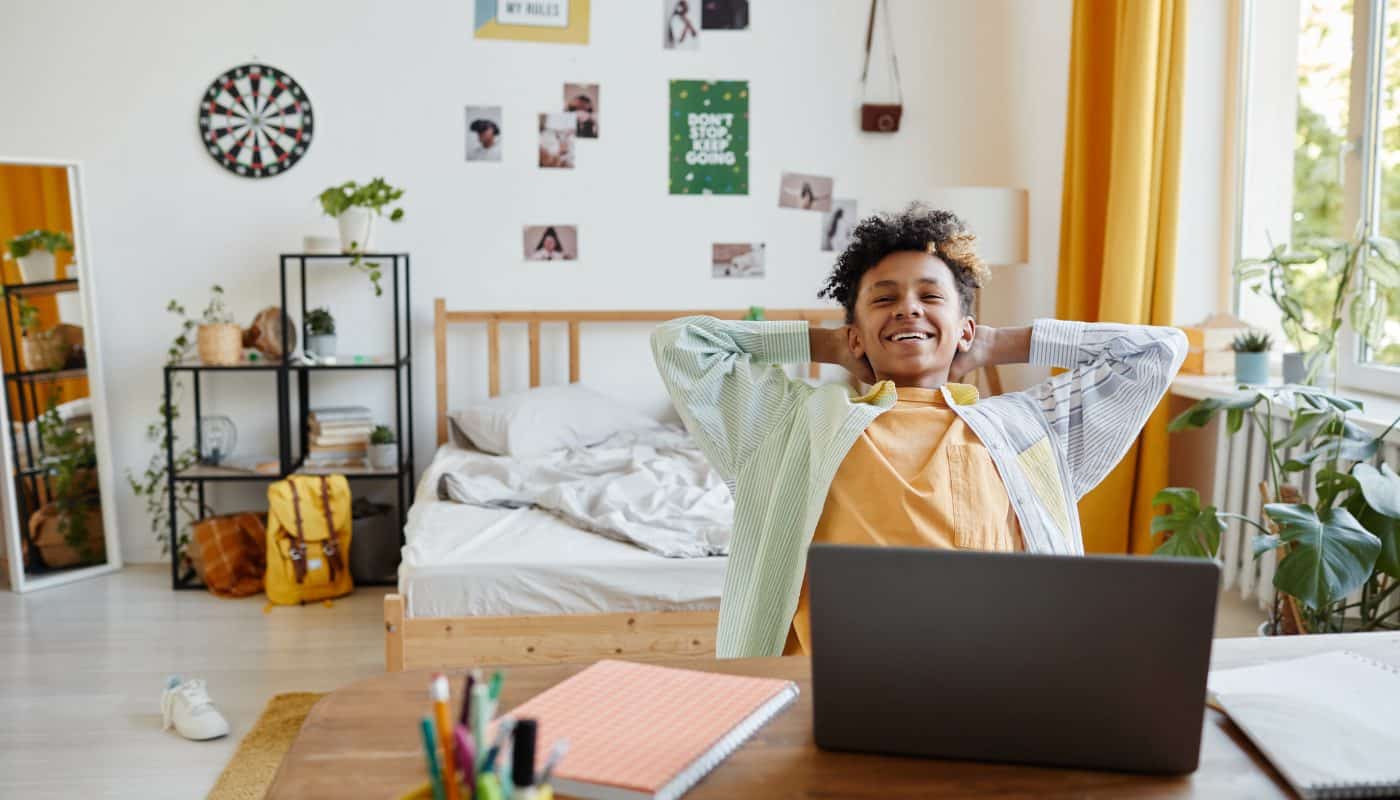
x=557, y=133
x=724, y=15
x=709, y=137
x=838, y=223
x=484, y=133
x=582, y=99
x=737, y=259
x=682, y=24
x=551, y=242
x=808, y=192
x=550, y=21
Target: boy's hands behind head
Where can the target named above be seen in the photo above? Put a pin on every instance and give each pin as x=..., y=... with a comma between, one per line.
x=974, y=356
x=858, y=366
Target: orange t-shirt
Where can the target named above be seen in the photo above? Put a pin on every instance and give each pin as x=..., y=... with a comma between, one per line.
x=917, y=477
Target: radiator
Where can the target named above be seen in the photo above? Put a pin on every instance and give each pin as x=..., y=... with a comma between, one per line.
x=1241, y=464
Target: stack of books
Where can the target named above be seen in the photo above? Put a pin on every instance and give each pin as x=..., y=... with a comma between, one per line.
x=338, y=436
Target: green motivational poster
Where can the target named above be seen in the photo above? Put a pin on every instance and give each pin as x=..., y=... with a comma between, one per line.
x=709, y=137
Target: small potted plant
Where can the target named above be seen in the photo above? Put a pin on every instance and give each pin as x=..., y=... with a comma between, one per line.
x=354, y=208
x=219, y=340
x=383, y=450
x=1252, y=357
x=40, y=351
x=34, y=251
x=320, y=333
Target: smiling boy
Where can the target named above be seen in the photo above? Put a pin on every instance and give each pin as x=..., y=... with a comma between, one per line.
x=920, y=461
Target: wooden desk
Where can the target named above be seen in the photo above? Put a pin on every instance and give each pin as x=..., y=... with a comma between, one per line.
x=363, y=741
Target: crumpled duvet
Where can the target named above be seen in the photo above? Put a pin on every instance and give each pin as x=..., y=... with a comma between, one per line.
x=650, y=488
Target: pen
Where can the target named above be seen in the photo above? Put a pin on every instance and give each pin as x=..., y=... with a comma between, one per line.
x=465, y=717
x=502, y=733
x=496, y=679
x=430, y=745
x=466, y=756
x=522, y=773
x=555, y=754
x=481, y=717
x=439, y=693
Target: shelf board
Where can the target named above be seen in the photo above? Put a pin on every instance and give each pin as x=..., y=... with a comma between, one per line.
x=340, y=256
x=351, y=472
x=206, y=472
x=350, y=365
x=198, y=366
x=47, y=375
x=41, y=288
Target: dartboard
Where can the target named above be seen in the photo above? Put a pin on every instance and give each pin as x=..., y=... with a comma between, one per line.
x=255, y=120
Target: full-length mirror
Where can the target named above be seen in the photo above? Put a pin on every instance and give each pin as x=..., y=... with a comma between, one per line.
x=58, y=521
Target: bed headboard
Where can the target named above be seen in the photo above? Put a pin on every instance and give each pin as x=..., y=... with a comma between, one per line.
x=442, y=317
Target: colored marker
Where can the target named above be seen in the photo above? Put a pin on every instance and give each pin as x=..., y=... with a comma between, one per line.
x=439, y=693
x=481, y=718
x=488, y=787
x=430, y=745
x=465, y=717
x=496, y=679
x=556, y=753
x=466, y=755
x=502, y=733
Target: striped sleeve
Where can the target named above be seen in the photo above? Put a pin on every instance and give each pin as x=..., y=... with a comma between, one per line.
x=723, y=379
x=1117, y=376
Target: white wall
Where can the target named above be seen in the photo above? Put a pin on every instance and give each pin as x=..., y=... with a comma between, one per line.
x=984, y=91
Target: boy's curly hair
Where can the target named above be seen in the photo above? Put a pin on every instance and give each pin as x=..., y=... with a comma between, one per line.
x=919, y=229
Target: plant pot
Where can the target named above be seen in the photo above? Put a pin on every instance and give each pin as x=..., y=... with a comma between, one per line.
x=220, y=344
x=46, y=534
x=321, y=345
x=37, y=266
x=1252, y=368
x=356, y=230
x=1295, y=368
x=42, y=351
x=384, y=456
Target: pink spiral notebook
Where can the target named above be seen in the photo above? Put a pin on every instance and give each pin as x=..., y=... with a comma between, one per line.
x=640, y=731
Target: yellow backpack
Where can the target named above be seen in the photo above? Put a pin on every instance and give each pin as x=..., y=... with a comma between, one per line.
x=308, y=539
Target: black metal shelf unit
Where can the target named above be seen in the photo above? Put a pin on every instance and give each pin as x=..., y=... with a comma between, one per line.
x=22, y=397
x=292, y=462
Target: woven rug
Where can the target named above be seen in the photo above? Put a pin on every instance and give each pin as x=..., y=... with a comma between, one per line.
x=255, y=763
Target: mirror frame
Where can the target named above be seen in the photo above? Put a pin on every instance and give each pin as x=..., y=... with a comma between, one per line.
x=102, y=432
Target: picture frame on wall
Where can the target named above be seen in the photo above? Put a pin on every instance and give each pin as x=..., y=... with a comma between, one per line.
x=547, y=21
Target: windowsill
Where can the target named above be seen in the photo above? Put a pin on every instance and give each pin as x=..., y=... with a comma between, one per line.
x=1378, y=410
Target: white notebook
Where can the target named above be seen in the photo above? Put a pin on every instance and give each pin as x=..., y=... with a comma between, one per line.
x=1330, y=723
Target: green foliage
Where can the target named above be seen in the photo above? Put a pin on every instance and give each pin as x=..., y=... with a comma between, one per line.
x=25, y=243
x=375, y=196
x=319, y=322
x=28, y=317
x=1347, y=540
x=154, y=484
x=70, y=461
x=1252, y=342
x=382, y=434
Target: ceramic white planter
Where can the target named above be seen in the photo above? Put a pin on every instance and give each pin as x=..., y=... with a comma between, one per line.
x=37, y=266
x=384, y=456
x=321, y=345
x=356, y=230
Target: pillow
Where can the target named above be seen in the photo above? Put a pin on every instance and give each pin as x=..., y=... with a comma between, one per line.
x=546, y=418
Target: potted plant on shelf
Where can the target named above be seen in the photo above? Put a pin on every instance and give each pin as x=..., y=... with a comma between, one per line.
x=34, y=251
x=67, y=530
x=1339, y=555
x=1318, y=283
x=40, y=351
x=1252, y=357
x=383, y=448
x=219, y=340
x=320, y=333
x=354, y=207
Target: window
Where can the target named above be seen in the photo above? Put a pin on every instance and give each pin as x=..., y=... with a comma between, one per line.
x=1335, y=84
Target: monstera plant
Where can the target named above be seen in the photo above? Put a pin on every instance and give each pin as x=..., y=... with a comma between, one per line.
x=1339, y=551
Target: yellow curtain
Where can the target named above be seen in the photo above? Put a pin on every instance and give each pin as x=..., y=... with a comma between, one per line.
x=35, y=197
x=1118, y=230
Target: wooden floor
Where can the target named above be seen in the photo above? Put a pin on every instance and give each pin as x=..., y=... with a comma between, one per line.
x=82, y=666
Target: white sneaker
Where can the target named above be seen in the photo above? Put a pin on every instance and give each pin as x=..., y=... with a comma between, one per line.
x=188, y=708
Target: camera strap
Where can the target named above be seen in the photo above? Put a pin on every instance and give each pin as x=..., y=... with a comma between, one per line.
x=894, y=59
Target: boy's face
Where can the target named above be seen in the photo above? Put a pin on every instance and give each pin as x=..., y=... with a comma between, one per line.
x=908, y=320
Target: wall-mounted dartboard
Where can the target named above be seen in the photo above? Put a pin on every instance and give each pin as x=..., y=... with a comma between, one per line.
x=256, y=121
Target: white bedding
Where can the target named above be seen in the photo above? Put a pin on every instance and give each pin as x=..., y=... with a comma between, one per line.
x=464, y=560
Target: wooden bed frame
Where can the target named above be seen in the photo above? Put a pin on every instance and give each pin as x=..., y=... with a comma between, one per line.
x=480, y=641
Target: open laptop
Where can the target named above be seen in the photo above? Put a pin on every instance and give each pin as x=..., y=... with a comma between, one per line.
x=1095, y=662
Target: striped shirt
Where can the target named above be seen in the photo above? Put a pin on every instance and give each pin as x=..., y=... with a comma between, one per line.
x=777, y=441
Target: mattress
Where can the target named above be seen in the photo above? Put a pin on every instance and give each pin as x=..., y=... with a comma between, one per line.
x=463, y=560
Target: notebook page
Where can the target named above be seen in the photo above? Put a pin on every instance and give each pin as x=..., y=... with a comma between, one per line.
x=1324, y=720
